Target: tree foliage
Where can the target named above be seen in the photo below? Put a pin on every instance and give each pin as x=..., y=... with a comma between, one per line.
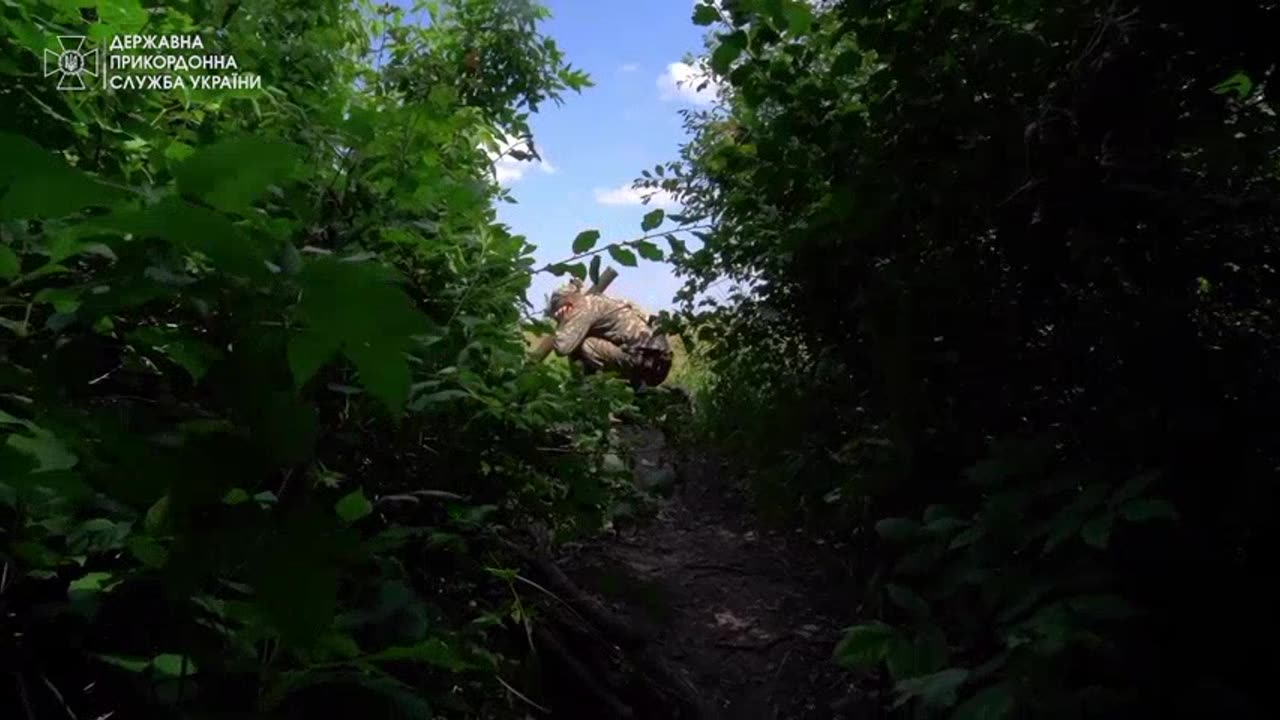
x=262, y=392
x=1007, y=319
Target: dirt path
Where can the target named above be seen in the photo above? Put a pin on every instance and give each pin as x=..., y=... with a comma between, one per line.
x=747, y=616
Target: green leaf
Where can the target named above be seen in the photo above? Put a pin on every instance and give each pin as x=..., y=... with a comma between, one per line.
x=908, y=600
x=442, y=97
x=295, y=579
x=653, y=219
x=897, y=529
x=236, y=496
x=593, y=272
x=1239, y=83
x=1148, y=509
x=1097, y=532
x=353, y=506
x=10, y=265
x=965, y=538
x=728, y=49
x=993, y=703
x=308, y=352
x=937, y=512
x=92, y=582
x=136, y=665
x=577, y=270
x=1101, y=607
x=404, y=701
x=863, y=646
x=1134, y=487
x=15, y=477
x=437, y=397
x=360, y=306
x=197, y=229
x=622, y=256
x=704, y=15
x=41, y=185
x=922, y=654
x=935, y=690
x=193, y=355
x=283, y=424
x=98, y=536
x=124, y=16
x=147, y=551
x=357, y=301
x=945, y=525
x=49, y=452
x=340, y=645
x=1068, y=521
x=585, y=241
x=432, y=651
x=649, y=251
x=83, y=593
x=169, y=665
x=799, y=16
x=157, y=516
x=232, y=173
x=921, y=562
x=177, y=151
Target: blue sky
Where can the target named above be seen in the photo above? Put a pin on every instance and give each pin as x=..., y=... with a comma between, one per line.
x=598, y=141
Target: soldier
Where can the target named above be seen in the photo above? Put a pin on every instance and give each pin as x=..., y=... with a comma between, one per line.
x=603, y=333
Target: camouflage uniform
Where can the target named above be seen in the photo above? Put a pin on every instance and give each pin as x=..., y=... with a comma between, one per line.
x=604, y=333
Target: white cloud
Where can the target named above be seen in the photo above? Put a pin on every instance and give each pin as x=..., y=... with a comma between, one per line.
x=627, y=195
x=508, y=169
x=682, y=81
x=630, y=67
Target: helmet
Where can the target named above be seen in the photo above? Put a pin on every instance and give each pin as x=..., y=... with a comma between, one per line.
x=562, y=294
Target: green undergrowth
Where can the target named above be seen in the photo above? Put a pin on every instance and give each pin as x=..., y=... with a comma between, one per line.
x=1007, y=331
x=264, y=404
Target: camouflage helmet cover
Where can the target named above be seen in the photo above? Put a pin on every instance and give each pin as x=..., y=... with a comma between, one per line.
x=563, y=293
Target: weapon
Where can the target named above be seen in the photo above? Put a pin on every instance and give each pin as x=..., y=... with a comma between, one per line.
x=539, y=353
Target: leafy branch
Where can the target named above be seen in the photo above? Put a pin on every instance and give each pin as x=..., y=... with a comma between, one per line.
x=634, y=242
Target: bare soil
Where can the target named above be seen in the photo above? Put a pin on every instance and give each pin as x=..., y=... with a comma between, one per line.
x=746, y=617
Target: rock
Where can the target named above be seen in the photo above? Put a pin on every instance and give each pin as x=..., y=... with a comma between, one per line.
x=613, y=464
x=654, y=477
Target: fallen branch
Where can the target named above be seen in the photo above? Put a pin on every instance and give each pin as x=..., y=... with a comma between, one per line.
x=554, y=578
x=549, y=642
x=684, y=693
x=759, y=647
x=634, y=644
x=712, y=567
x=417, y=495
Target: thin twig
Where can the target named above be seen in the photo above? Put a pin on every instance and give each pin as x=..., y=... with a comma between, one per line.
x=553, y=596
x=182, y=680
x=53, y=689
x=717, y=568
x=567, y=451
x=768, y=645
x=520, y=695
x=22, y=693
x=785, y=656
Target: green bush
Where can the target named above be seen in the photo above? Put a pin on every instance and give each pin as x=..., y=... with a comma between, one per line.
x=1008, y=326
x=263, y=397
